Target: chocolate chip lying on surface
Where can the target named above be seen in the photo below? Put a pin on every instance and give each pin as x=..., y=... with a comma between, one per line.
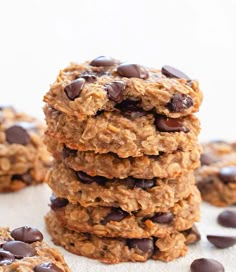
x=163, y=218
x=103, y=61
x=58, y=202
x=27, y=234
x=19, y=249
x=73, y=90
x=88, y=76
x=206, y=265
x=227, y=219
x=165, y=124
x=145, y=245
x=228, y=174
x=17, y=135
x=222, y=241
x=172, y=72
x=47, y=267
x=132, y=70
x=6, y=257
x=115, y=90
x=180, y=102
x=116, y=214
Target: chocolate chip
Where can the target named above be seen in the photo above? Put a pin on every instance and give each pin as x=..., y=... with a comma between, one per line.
x=131, y=109
x=103, y=61
x=19, y=249
x=6, y=257
x=89, y=77
x=165, y=124
x=129, y=182
x=171, y=72
x=115, y=90
x=17, y=135
x=163, y=218
x=227, y=219
x=222, y=241
x=144, y=183
x=26, y=178
x=146, y=245
x=206, y=265
x=132, y=70
x=180, y=102
x=27, y=234
x=47, y=267
x=207, y=159
x=73, y=90
x=116, y=214
x=84, y=178
x=58, y=202
x=193, y=235
x=67, y=152
x=228, y=174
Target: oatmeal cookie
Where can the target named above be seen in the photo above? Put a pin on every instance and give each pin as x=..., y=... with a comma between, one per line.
x=85, y=89
x=129, y=194
x=111, y=166
x=122, y=134
x=216, y=178
x=114, y=222
x=23, y=249
x=23, y=156
x=115, y=250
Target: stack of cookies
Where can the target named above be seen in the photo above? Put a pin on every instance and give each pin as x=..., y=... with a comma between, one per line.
x=24, y=159
x=125, y=142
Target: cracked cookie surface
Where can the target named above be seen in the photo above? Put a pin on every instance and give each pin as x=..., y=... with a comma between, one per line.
x=85, y=89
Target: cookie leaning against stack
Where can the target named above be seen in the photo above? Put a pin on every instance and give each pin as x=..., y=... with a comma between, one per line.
x=24, y=159
x=124, y=139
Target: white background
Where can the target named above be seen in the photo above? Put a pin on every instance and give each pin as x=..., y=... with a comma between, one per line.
x=37, y=38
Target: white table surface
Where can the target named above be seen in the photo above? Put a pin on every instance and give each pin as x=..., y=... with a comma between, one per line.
x=38, y=37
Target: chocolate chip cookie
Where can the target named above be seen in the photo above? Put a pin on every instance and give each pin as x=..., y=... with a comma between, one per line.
x=24, y=159
x=114, y=222
x=216, y=178
x=130, y=194
x=115, y=250
x=101, y=84
x=124, y=135
x=109, y=165
x=23, y=249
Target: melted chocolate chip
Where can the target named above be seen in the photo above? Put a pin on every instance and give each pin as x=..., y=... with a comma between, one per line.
x=227, y=219
x=26, y=178
x=73, y=90
x=131, y=109
x=163, y=218
x=132, y=70
x=89, y=77
x=115, y=90
x=222, y=241
x=206, y=265
x=172, y=72
x=19, y=249
x=103, y=61
x=17, y=135
x=86, y=179
x=228, y=174
x=180, y=102
x=67, y=152
x=27, y=234
x=47, y=267
x=6, y=257
x=146, y=245
x=116, y=214
x=58, y=202
x=166, y=124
